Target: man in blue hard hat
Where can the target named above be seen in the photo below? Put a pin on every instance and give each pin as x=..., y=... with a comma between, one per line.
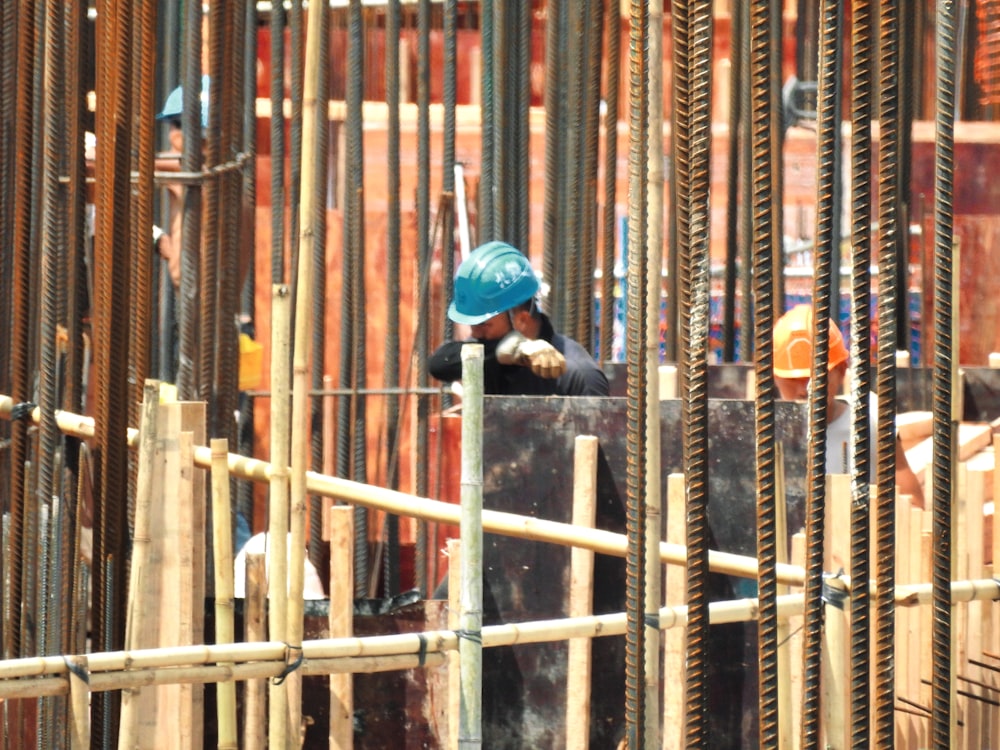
x=496, y=295
x=168, y=243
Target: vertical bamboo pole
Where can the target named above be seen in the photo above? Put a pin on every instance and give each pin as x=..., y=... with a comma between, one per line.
x=470, y=646
x=188, y=720
x=673, y=639
x=222, y=540
x=79, y=707
x=312, y=114
x=341, y=535
x=454, y=547
x=277, y=608
x=581, y=595
x=136, y=619
x=836, y=685
x=254, y=696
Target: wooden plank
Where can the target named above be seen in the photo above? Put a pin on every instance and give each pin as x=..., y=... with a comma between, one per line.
x=673, y=639
x=972, y=438
x=341, y=534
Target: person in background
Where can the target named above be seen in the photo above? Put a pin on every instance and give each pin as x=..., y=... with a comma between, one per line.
x=168, y=243
x=793, y=354
x=496, y=296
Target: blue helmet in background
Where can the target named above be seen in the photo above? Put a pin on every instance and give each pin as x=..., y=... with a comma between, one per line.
x=493, y=279
x=174, y=105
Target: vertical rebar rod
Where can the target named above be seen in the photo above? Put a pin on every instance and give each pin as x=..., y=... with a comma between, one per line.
x=487, y=178
x=736, y=115
x=571, y=137
x=944, y=381
x=635, y=599
x=889, y=231
x=764, y=238
x=590, y=161
x=522, y=146
x=609, y=246
x=828, y=131
x=551, y=215
x=392, y=47
x=277, y=133
x=862, y=63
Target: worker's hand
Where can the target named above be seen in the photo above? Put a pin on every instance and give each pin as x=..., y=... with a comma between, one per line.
x=543, y=358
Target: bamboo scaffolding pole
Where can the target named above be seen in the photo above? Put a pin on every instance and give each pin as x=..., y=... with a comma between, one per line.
x=341, y=535
x=470, y=649
x=437, y=511
x=222, y=540
x=48, y=676
x=79, y=706
x=254, y=694
x=454, y=548
x=139, y=568
x=301, y=432
x=581, y=595
x=277, y=609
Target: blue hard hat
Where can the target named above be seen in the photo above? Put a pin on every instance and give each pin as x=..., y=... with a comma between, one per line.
x=493, y=279
x=174, y=105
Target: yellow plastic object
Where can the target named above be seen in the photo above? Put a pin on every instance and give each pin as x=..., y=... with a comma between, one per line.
x=251, y=363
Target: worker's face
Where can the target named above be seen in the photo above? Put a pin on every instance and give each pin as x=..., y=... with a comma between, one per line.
x=492, y=329
x=797, y=389
x=176, y=137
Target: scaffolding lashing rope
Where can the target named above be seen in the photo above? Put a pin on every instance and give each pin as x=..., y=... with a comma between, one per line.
x=828, y=131
x=862, y=74
x=635, y=522
x=764, y=239
x=890, y=227
x=944, y=380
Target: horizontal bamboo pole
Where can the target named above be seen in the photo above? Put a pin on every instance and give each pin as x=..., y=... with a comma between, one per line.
x=436, y=511
x=48, y=675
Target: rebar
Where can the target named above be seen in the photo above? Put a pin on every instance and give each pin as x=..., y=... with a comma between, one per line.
x=610, y=215
x=487, y=178
x=764, y=238
x=889, y=260
x=635, y=564
x=944, y=380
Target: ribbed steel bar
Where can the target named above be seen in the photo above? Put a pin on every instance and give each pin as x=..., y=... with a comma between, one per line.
x=192, y=158
x=609, y=217
x=52, y=314
x=944, y=380
x=589, y=167
x=777, y=154
x=572, y=140
x=696, y=364
x=504, y=122
x=553, y=200
x=487, y=179
x=112, y=302
x=827, y=132
x=277, y=135
x=890, y=228
x=746, y=193
x=635, y=564
x=296, y=64
x=764, y=238
x=212, y=218
x=390, y=573
x=21, y=315
x=736, y=115
x=317, y=553
x=244, y=500
x=522, y=151
x=862, y=69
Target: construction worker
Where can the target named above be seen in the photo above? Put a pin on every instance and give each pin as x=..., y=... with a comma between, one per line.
x=168, y=243
x=793, y=354
x=496, y=295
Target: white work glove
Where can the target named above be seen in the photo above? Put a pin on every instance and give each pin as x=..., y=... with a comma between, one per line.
x=543, y=358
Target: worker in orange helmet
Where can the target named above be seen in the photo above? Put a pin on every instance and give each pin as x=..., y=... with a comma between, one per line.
x=793, y=355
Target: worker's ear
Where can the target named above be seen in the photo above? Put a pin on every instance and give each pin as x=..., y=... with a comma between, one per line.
x=521, y=320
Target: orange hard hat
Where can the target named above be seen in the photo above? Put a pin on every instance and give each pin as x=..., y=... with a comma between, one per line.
x=793, y=350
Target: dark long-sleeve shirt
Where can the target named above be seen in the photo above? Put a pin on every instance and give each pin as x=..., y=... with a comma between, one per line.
x=583, y=377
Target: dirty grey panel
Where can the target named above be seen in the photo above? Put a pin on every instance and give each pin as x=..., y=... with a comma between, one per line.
x=528, y=452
